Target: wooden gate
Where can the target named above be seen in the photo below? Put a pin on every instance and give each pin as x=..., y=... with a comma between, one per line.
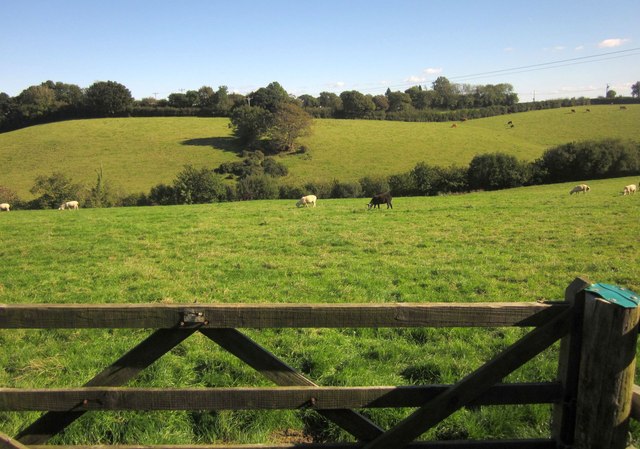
x=220, y=323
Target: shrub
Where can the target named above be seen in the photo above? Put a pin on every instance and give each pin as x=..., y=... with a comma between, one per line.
x=9, y=196
x=257, y=187
x=53, y=190
x=274, y=168
x=291, y=192
x=345, y=190
x=497, y=171
x=402, y=184
x=425, y=178
x=318, y=188
x=196, y=186
x=373, y=185
x=451, y=179
x=162, y=195
x=575, y=161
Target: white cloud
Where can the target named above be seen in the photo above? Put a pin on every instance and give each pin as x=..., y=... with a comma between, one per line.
x=559, y=48
x=579, y=48
x=432, y=70
x=608, y=43
x=416, y=79
x=338, y=84
x=509, y=49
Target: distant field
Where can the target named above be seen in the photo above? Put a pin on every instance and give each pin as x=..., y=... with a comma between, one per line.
x=138, y=153
x=523, y=244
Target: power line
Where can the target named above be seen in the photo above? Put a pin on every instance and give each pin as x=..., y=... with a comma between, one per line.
x=533, y=67
x=561, y=62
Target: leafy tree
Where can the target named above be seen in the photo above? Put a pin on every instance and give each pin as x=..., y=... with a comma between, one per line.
x=398, y=101
x=250, y=123
x=381, y=102
x=635, y=89
x=179, y=101
x=356, y=104
x=446, y=92
x=288, y=123
x=309, y=101
x=36, y=101
x=206, y=97
x=330, y=101
x=196, y=186
x=611, y=94
x=270, y=97
x=54, y=190
x=420, y=99
x=67, y=95
x=221, y=102
x=108, y=98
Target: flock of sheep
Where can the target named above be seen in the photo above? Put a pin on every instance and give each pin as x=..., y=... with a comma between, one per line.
x=628, y=190
x=376, y=201
x=6, y=207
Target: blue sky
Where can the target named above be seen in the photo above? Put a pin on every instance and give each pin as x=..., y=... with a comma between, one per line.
x=156, y=47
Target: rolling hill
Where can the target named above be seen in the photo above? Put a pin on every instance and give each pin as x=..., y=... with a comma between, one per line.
x=138, y=153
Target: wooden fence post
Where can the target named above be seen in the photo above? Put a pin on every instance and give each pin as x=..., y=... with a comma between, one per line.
x=606, y=375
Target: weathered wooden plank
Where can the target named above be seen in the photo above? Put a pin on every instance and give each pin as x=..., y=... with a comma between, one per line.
x=282, y=374
x=10, y=443
x=470, y=387
x=68, y=316
x=319, y=398
x=120, y=372
x=497, y=444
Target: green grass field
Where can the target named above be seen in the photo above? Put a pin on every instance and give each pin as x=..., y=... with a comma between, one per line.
x=138, y=153
x=523, y=244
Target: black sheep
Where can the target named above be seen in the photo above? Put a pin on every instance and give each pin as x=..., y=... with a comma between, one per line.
x=380, y=198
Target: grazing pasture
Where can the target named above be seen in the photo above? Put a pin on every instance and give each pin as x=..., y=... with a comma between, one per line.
x=139, y=153
x=523, y=244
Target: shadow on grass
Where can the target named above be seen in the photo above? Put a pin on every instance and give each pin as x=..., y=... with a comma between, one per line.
x=228, y=144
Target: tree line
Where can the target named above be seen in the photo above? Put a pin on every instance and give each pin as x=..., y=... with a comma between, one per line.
x=443, y=101
x=257, y=177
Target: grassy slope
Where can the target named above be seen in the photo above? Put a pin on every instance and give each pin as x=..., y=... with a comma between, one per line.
x=137, y=153
x=514, y=245
x=352, y=149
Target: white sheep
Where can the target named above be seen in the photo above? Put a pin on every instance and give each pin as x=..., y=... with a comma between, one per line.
x=306, y=200
x=630, y=189
x=580, y=188
x=5, y=207
x=69, y=205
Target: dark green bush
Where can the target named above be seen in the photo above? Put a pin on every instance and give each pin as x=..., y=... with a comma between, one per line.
x=497, y=171
x=196, y=186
